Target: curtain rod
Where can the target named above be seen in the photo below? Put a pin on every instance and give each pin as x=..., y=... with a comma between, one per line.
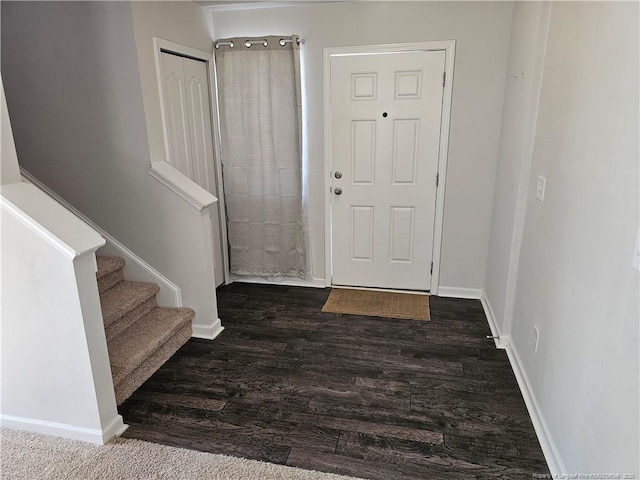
x=249, y=43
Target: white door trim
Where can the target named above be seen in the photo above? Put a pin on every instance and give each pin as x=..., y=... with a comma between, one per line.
x=448, y=46
x=160, y=45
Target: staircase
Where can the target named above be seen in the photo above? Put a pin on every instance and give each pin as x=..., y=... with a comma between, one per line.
x=141, y=336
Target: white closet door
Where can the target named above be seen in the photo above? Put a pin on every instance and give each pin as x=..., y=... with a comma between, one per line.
x=200, y=133
x=175, y=103
x=188, y=116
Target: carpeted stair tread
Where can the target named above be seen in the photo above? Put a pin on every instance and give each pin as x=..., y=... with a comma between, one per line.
x=107, y=265
x=137, y=343
x=143, y=372
x=123, y=298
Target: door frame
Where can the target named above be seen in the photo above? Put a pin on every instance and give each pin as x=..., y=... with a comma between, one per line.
x=160, y=45
x=448, y=46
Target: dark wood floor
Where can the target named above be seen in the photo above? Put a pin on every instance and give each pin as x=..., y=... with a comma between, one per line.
x=363, y=396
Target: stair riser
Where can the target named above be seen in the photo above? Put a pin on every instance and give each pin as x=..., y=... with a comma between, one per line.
x=125, y=298
x=143, y=372
x=111, y=280
x=116, y=328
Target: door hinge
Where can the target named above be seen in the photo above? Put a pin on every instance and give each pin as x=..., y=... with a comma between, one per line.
x=432, y=268
x=444, y=78
x=437, y=179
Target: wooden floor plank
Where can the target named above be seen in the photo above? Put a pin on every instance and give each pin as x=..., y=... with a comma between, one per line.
x=371, y=397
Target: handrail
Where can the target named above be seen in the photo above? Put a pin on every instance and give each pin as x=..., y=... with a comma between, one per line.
x=50, y=220
x=181, y=185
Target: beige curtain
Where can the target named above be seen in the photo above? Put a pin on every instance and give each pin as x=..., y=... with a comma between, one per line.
x=260, y=125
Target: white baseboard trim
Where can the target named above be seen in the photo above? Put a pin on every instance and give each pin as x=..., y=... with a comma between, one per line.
x=114, y=429
x=90, y=435
x=549, y=449
x=455, y=292
x=136, y=269
x=501, y=340
x=288, y=281
x=504, y=341
x=208, y=332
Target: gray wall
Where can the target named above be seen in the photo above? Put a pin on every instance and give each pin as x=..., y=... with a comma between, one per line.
x=9, y=168
x=528, y=41
x=73, y=88
x=574, y=278
x=482, y=32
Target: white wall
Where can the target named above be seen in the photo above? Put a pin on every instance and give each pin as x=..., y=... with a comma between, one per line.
x=527, y=46
x=9, y=168
x=574, y=279
x=482, y=32
x=73, y=87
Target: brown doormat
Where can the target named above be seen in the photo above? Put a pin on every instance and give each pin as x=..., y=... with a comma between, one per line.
x=378, y=304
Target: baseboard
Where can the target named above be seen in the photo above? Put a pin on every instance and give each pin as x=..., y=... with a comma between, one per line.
x=288, y=281
x=136, y=269
x=90, y=435
x=549, y=449
x=114, y=429
x=501, y=340
x=455, y=292
x=208, y=332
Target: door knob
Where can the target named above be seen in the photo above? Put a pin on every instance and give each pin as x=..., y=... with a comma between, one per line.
x=338, y=174
x=337, y=191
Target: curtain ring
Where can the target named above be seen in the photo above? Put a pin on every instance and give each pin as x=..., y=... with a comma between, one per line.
x=230, y=44
x=249, y=43
x=282, y=42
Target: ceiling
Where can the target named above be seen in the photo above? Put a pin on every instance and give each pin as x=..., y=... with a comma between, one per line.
x=222, y=5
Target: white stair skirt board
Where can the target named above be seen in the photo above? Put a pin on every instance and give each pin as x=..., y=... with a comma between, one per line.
x=136, y=269
x=455, y=292
x=208, y=332
x=91, y=435
x=288, y=281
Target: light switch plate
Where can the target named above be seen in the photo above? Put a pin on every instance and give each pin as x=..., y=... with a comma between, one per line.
x=540, y=186
x=635, y=263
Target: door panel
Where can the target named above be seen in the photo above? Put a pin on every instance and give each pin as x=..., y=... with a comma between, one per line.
x=198, y=104
x=362, y=233
x=405, y=150
x=363, y=147
x=385, y=131
x=176, y=109
x=401, y=229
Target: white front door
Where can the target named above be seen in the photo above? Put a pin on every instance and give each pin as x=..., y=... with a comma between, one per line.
x=188, y=116
x=386, y=114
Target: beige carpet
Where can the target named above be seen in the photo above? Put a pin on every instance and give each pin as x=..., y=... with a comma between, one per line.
x=378, y=304
x=29, y=456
